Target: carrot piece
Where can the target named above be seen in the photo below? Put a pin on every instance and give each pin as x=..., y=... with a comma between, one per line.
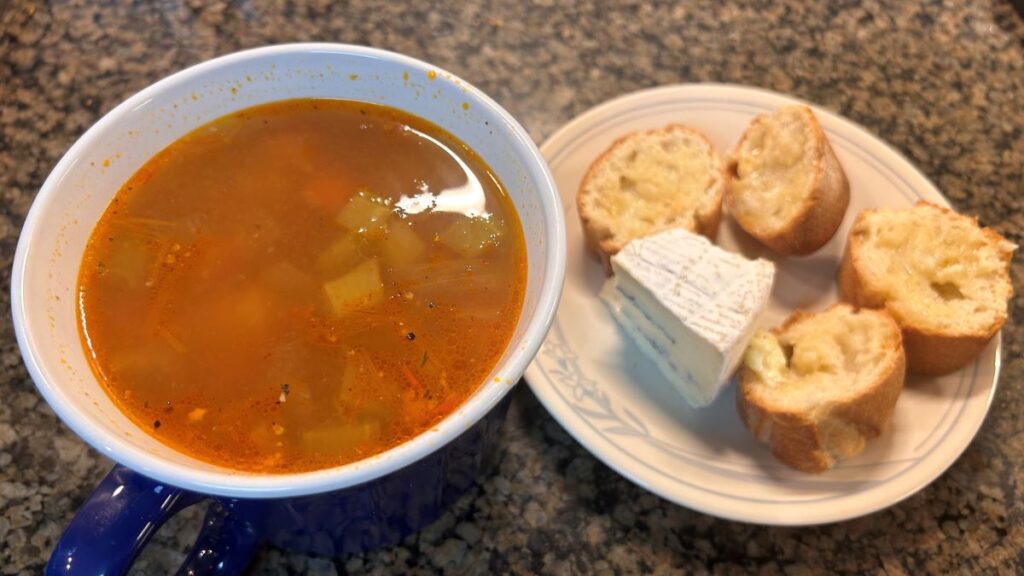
x=417, y=386
x=442, y=410
x=328, y=191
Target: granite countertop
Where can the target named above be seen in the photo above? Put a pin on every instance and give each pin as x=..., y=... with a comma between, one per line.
x=942, y=81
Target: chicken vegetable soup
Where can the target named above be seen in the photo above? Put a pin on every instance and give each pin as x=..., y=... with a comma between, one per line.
x=301, y=285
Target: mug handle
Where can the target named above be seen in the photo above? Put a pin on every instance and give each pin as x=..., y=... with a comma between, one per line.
x=126, y=509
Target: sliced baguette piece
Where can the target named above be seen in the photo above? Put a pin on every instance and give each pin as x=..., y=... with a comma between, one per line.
x=785, y=185
x=945, y=280
x=647, y=182
x=821, y=385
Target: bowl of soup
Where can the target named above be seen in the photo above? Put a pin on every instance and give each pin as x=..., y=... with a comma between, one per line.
x=288, y=271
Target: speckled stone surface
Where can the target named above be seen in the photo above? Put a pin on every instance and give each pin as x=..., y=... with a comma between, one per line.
x=942, y=81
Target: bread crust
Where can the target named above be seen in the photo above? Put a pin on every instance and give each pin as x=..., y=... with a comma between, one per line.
x=929, y=351
x=813, y=442
x=597, y=238
x=822, y=211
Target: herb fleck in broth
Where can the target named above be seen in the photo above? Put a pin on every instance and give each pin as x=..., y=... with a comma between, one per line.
x=301, y=285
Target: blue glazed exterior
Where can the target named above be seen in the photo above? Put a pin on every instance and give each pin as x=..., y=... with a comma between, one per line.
x=115, y=523
x=382, y=512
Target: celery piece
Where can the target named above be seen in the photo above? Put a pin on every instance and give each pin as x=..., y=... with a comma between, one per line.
x=359, y=288
x=402, y=246
x=470, y=236
x=365, y=214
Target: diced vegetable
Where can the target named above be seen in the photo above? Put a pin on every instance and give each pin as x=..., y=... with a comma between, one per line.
x=477, y=311
x=365, y=214
x=415, y=387
x=358, y=371
x=360, y=288
x=470, y=236
x=173, y=341
x=341, y=255
x=249, y=308
x=287, y=279
x=349, y=380
x=293, y=149
x=341, y=436
x=402, y=246
x=131, y=261
x=329, y=191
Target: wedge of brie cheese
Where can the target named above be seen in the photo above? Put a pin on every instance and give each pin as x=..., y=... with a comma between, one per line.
x=689, y=305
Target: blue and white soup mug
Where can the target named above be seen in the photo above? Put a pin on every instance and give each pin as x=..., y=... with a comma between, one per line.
x=334, y=511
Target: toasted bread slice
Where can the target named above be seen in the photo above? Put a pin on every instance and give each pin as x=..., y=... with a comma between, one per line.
x=818, y=387
x=647, y=182
x=785, y=185
x=944, y=279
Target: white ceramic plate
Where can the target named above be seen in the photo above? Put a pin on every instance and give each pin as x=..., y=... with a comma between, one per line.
x=599, y=386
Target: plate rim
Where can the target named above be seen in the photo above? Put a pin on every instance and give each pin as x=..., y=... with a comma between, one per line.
x=555, y=405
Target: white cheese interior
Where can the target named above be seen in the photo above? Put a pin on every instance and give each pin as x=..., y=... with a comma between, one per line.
x=690, y=306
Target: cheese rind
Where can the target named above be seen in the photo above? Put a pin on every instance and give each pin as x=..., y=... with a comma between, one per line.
x=689, y=305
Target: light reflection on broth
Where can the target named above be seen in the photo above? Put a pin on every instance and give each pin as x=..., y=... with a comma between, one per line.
x=266, y=293
x=467, y=199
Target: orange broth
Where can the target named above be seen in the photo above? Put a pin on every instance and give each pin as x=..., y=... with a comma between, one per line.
x=301, y=285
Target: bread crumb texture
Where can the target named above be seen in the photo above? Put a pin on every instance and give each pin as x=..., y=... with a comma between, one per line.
x=651, y=181
x=773, y=168
x=934, y=269
x=820, y=386
x=818, y=357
